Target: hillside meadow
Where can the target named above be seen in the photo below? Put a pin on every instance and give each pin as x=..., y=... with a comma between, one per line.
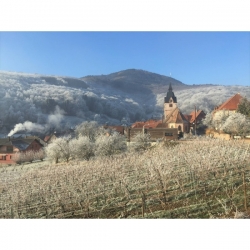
x=200, y=178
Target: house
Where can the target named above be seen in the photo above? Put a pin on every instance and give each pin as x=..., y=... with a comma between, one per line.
x=156, y=128
x=224, y=110
x=67, y=133
x=156, y=133
x=228, y=107
x=49, y=138
x=10, y=146
x=119, y=129
x=195, y=118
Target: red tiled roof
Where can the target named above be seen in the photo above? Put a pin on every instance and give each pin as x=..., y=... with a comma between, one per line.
x=192, y=114
x=46, y=138
x=231, y=103
x=119, y=129
x=188, y=117
x=147, y=124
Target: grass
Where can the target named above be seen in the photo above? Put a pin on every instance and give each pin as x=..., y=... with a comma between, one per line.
x=202, y=178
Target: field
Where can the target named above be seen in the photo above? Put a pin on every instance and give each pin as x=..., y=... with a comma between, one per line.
x=201, y=178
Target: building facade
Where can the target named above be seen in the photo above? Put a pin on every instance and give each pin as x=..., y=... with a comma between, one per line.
x=10, y=146
x=172, y=125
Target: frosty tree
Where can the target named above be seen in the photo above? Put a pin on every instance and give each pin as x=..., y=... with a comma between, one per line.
x=141, y=141
x=208, y=120
x=81, y=148
x=59, y=149
x=236, y=124
x=244, y=107
x=110, y=144
x=90, y=129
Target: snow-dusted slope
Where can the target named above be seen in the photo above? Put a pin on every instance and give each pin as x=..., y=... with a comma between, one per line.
x=60, y=102
x=32, y=97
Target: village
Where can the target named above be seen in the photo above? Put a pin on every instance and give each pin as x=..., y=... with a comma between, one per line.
x=174, y=125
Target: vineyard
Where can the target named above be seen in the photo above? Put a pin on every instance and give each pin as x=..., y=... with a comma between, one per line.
x=201, y=178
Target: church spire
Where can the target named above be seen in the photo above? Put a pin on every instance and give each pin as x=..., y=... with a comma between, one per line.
x=170, y=87
x=170, y=95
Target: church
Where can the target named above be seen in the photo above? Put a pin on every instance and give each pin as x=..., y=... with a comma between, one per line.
x=173, y=117
x=173, y=123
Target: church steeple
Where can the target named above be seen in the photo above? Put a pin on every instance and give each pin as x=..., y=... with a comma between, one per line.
x=170, y=101
x=170, y=95
x=170, y=87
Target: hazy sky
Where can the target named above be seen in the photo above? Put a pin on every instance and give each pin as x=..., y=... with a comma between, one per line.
x=191, y=57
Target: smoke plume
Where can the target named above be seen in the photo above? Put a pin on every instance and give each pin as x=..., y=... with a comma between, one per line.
x=54, y=120
x=27, y=126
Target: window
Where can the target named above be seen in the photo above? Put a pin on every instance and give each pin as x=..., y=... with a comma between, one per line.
x=3, y=157
x=168, y=134
x=171, y=105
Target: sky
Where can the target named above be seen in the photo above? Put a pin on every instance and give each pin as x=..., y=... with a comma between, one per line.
x=191, y=57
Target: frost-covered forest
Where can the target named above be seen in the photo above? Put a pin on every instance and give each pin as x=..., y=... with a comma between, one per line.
x=62, y=102
x=205, y=98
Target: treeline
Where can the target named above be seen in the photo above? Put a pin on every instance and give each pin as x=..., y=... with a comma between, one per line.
x=32, y=99
x=29, y=156
x=93, y=140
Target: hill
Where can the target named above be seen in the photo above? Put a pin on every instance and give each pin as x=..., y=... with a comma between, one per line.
x=133, y=80
x=59, y=102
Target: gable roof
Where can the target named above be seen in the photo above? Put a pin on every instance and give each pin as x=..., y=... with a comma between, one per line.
x=198, y=113
x=20, y=143
x=230, y=104
x=176, y=117
x=188, y=117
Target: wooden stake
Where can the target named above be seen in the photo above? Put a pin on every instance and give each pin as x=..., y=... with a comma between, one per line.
x=245, y=191
x=143, y=204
